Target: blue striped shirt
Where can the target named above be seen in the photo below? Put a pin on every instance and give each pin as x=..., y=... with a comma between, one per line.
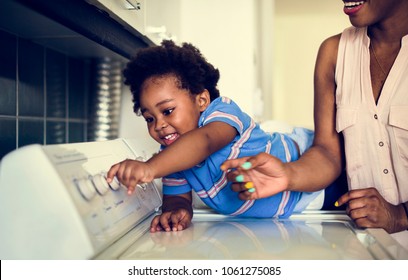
x=210, y=182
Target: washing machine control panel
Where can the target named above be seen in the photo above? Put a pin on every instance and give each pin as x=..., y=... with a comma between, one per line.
x=105, y=208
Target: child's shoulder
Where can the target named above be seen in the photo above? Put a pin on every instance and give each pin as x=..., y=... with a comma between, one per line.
x=222, y=107
x=223, y=103
x=222, y=100
x=225, y=99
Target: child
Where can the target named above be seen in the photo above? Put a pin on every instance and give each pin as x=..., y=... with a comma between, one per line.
x=175, y=89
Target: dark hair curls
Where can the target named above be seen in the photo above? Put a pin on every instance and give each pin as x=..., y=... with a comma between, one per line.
x=186, y=63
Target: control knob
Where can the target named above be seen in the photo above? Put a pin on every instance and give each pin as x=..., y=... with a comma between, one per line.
x=100, y=183
x=85, y=188
x=115, y=184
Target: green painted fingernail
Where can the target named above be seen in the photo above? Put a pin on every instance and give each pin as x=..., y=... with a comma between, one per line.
x=240, y=178
x=251, y=190
x=246, y=165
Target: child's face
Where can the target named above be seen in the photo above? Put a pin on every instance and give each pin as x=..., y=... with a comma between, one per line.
x=168, y=110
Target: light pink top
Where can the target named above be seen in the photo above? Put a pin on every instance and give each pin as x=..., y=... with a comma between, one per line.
x=376, y=136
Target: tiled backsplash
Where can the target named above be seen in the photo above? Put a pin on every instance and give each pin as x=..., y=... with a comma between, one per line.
x=43, y=95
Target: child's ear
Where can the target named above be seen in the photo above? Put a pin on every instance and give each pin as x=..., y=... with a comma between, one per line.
x=203, y=100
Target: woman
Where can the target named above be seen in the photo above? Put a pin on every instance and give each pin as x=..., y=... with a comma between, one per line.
x=361, y=97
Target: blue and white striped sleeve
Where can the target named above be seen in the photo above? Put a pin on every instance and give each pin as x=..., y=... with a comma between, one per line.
x=174, y=184
x=225, y=110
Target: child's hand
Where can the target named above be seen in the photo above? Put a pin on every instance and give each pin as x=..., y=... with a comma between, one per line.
x=176, y=220
x=130, y=173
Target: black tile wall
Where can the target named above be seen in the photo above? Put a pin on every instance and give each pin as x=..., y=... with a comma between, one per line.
x=43, y=95
x=8, y=66
x=77, y=88
x=56, y=84
x=30, y=84
x=30, y=131
x=56, y=132
x=8, y=135
x=76, y=132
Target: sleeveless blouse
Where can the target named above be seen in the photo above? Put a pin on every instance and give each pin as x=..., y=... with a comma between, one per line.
x=375, y=135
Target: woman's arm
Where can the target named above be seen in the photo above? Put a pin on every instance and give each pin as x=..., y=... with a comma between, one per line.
x=323, y=162
x=316, y=168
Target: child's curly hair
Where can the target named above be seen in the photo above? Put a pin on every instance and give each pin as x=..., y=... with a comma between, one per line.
x=186, y=63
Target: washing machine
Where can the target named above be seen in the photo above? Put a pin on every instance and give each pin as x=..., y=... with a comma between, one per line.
x=56, y=204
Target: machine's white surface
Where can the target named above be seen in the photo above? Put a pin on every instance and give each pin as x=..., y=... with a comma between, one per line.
x=56, y=204
x=314, y=235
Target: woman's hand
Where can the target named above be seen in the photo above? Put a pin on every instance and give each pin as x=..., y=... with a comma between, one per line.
x=369, y=209
x=257, y=177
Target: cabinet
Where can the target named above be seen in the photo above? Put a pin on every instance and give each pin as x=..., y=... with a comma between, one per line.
x=129, y=13
x=153, y=20
x=88, y=21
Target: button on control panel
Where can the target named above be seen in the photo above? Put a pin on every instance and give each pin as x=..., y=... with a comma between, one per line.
x=100, y=183
x=90, y=185
x=85, y=188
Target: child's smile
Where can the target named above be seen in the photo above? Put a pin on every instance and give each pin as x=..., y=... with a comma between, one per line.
x=169, y=110
x=170, y=138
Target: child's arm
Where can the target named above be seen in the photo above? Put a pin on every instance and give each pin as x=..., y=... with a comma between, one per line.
x=192, y=148
x=189, y=150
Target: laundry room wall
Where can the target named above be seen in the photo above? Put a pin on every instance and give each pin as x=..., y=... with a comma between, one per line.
x=299, y=29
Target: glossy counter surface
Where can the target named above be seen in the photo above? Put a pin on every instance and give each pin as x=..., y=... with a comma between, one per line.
x=311, y=235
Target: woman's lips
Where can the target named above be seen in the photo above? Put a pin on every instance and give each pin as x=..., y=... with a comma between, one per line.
x=350, y=8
